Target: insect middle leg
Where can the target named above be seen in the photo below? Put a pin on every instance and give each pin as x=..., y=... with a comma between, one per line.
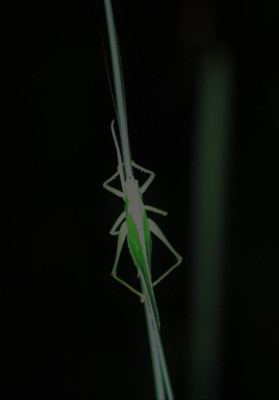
x=157, y=231
x=122, y=233
x=156, y=210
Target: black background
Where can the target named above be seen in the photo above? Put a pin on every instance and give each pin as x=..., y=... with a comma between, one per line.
x=69, y=330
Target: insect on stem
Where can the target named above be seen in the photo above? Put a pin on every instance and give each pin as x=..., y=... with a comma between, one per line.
x=133, y=223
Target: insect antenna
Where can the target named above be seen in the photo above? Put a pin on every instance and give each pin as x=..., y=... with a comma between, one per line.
x=109, y=80
x=119, y=158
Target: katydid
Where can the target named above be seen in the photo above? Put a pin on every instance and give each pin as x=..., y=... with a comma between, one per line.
x=137, y=227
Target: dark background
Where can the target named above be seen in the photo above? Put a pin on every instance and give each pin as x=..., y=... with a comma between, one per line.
x=69, y=330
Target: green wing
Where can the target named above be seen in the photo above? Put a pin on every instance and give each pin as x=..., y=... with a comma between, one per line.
x=140, y=251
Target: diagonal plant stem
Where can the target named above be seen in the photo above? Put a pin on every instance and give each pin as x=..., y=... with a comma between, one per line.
x=119, y=89
x=160, y=371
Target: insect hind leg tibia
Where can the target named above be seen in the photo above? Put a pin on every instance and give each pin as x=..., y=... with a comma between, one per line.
x=157, y=231
x=121, y=240
x=128, y=286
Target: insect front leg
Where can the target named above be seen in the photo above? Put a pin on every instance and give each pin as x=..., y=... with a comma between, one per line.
x=111, y=188
x=121, y=239
x=157, y=231
x=149, y=180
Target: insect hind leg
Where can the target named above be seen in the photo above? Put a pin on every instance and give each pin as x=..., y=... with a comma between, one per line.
x=157, y=231
x=121, y=240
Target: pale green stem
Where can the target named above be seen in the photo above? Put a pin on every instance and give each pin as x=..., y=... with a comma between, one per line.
x=160, y=370
x=119, y=92
x=161, y=377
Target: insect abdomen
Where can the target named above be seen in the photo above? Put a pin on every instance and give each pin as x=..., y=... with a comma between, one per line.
x=139, y=243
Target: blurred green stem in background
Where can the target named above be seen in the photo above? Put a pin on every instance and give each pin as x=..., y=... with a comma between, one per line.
x=212, y=137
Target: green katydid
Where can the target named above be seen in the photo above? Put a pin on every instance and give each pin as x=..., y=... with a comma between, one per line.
x=136, y=226
x=133, y=223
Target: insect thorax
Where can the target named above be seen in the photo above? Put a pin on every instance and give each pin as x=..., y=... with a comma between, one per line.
x=132, y=194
